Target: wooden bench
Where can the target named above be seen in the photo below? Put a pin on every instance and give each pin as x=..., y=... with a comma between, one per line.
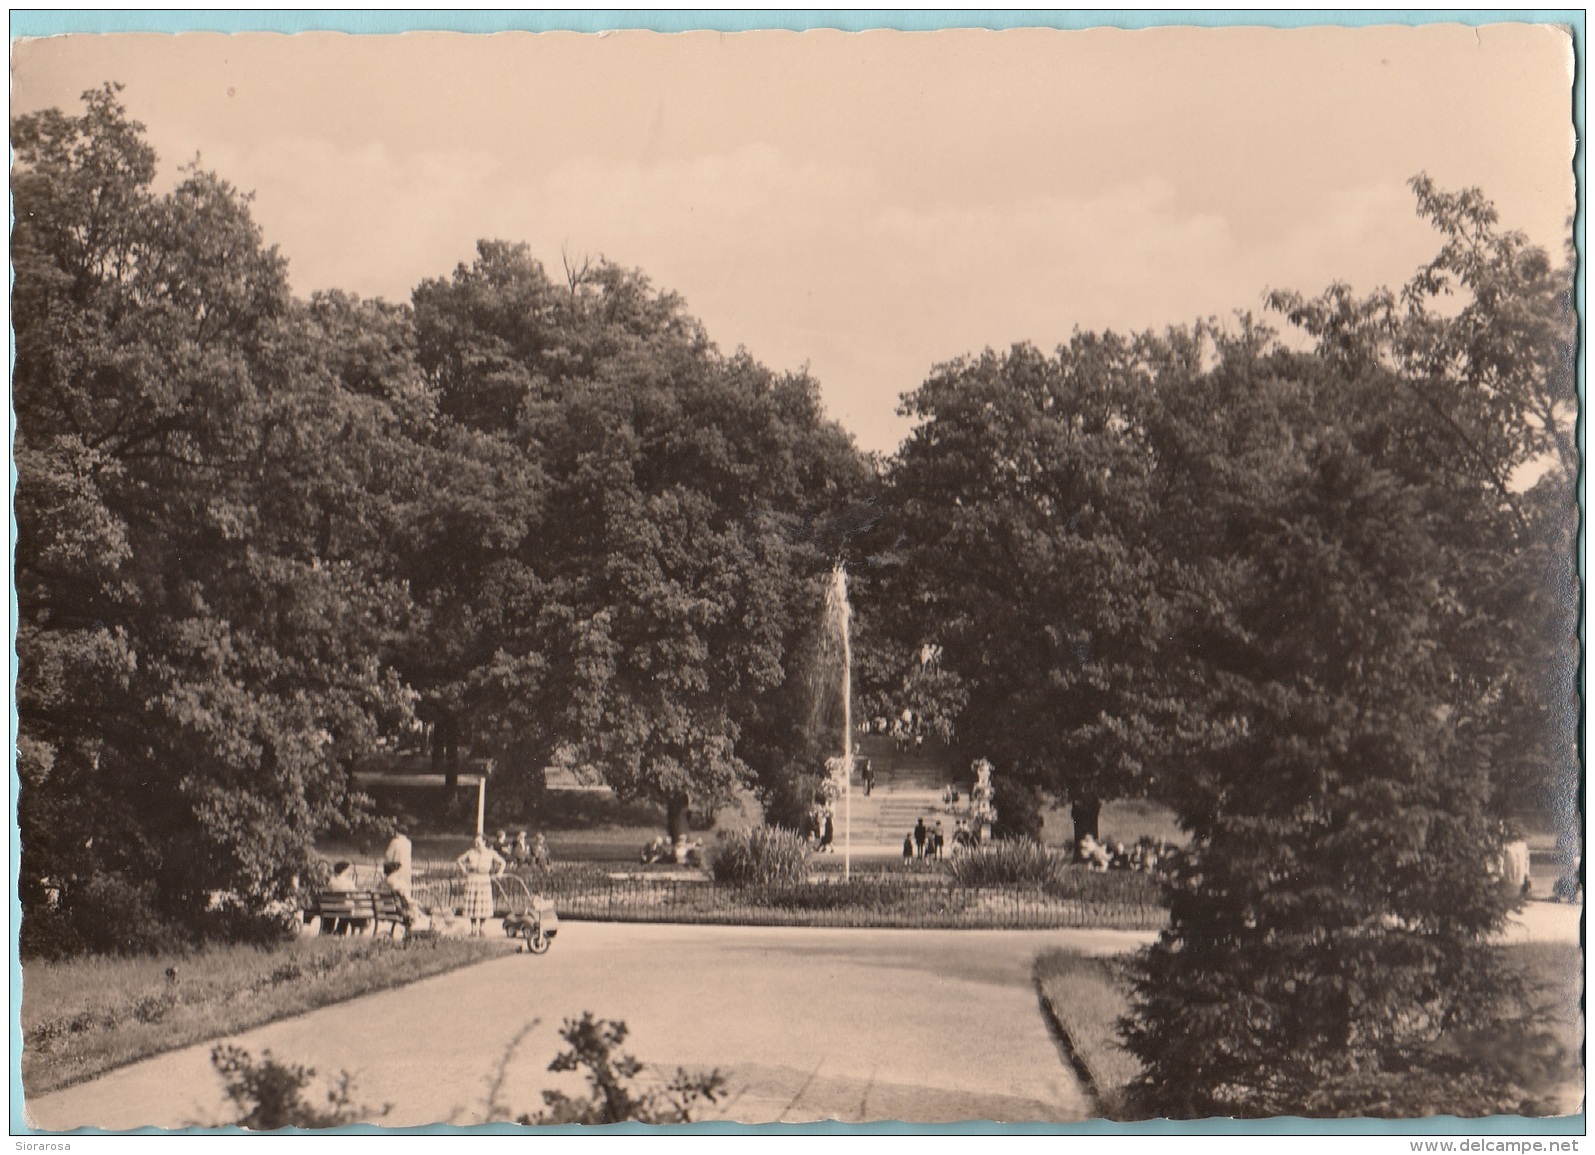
x=357, y=909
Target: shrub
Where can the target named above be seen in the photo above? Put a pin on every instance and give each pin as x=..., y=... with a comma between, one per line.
x=611, y=1073
x=270, y=1094
x=1018, y=809
x=762, y=856
x=101, y=914
x=1013, y=861
x=788, y=797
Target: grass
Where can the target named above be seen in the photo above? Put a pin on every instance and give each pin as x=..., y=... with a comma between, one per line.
x=1125, y=820
x=1556, y=971
x=1087, y=995
x=86, y=1016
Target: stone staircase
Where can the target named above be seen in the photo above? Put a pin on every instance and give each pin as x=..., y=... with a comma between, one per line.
x=908, y=787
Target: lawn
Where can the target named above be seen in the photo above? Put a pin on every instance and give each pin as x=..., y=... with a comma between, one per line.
x=83, y=1017
x=1087, y=995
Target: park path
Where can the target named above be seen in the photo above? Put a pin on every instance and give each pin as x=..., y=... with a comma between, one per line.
x=811, y=1024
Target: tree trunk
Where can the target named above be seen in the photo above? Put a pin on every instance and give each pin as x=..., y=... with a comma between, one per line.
x=448, y=747
x=677, y=815
x=1087, y=814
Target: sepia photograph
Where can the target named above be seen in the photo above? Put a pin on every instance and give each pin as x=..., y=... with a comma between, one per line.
x=576, y=578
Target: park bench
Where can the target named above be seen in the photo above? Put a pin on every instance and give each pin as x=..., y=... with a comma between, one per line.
x=358, y=909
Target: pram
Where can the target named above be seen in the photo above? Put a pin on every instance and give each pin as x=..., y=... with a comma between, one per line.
x=537, y=924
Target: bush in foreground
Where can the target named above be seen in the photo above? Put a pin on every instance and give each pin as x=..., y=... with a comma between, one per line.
x=761, y=856
x=270, y=1095
x=612, y=1095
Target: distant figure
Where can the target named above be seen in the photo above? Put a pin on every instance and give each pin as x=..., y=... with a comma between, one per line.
x=908, y=847
x=540, y=855
x=936, y=841
x=521, y=852
x=501, y=845
x=396, y=861
x=481, y=865
x=827, y=831
x=920, y=834
x=868, y=775
x=1515, y=866
x=1568, y=886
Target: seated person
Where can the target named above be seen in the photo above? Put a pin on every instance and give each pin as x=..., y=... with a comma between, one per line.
x=1093, y=853
x=342, y=881
x=521, y=853
x=540, y=855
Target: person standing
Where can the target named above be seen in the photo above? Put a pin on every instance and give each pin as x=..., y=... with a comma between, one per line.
x=481, y=864
x=868, y=774
x=396, y=862
x=920, y=834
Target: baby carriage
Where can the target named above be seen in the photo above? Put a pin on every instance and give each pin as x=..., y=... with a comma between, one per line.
x=532, y=919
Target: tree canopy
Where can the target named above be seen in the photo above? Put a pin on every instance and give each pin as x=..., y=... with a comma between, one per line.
x=1318, y=596
x=257, y=534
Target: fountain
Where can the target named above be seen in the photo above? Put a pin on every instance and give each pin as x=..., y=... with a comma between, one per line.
x=838, y=615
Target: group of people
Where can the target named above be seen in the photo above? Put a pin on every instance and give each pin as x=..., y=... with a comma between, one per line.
x=396, y=879
x=1148, y=855
x=521, y=852
x=931, y=842
x=907, y=732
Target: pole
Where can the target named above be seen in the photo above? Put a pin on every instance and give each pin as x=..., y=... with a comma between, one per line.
x=481, y=803
x=847, y=726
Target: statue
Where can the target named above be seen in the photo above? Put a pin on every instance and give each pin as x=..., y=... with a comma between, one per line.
x=982, y=813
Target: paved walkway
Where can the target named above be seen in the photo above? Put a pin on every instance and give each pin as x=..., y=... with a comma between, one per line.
x=857, y=1025
x=811, y=1024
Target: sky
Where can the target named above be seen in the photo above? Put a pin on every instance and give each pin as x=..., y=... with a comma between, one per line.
x=865, y=204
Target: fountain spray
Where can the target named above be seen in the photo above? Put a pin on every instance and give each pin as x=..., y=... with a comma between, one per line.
x=838, y=615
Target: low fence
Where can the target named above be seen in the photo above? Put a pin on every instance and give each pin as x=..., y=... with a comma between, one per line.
x=1078, y=898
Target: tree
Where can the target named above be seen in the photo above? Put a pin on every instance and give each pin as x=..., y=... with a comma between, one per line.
x=617, y=581
x=199, y=571
x=1352, y=664
x=1021, y=608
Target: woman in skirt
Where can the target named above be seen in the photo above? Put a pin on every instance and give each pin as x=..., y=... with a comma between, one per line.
x=481, y=865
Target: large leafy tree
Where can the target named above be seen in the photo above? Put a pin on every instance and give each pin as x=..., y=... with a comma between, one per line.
x=1019, y=606
x=620, y=578
x=199, y=506
x=1364, y=597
